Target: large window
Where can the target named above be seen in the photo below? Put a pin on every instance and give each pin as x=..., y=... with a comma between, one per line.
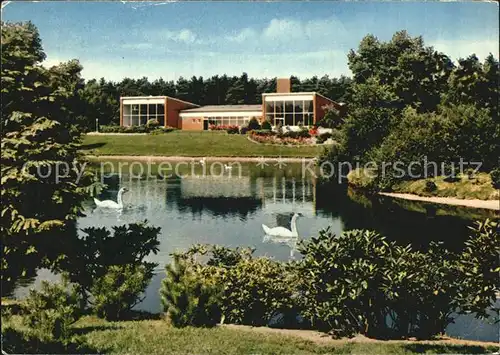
x=227, y=121
x=140, y=114
x=290, y=112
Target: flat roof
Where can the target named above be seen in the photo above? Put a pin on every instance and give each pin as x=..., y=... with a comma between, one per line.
x=224, y=108
x=156, y=97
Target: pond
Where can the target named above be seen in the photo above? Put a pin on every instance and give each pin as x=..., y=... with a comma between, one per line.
x=229, y=208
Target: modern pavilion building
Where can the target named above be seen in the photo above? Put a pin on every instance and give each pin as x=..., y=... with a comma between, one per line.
x=283, y=107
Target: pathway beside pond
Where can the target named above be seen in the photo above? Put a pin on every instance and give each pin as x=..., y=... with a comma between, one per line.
x=486, y=204
x=157, y=158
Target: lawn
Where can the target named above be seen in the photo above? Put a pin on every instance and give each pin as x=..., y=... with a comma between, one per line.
x=155, y=336
x=477, y=187
x=193, y=144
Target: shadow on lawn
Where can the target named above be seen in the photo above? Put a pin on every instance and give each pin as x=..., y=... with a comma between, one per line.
x=16, y=342
x=92, y=146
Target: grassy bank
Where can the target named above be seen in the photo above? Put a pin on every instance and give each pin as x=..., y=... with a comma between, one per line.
x=157, y=337
x=478, y=187
x=195, y=144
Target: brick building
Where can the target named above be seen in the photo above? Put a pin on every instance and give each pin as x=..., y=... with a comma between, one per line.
x=283, y=107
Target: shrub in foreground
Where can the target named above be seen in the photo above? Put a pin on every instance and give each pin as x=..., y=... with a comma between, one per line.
x=119, y=289
x=250, y=290
x=355, y=282
x=50, y=311
x=110, y=268
x=187, y=298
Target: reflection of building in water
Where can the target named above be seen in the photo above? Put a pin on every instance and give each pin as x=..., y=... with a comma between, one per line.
x=226, y=195
x=219, y=195
x=290, y=195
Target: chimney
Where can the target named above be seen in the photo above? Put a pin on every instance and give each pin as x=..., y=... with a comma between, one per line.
x=283, y=85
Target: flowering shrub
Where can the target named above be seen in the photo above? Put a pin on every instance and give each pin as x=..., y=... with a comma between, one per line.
x=274, y=139
x=259, y=132
x=231, y=129
x=313, y=131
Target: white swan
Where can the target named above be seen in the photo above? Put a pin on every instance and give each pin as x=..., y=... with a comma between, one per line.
x=112, y=204
x=282, y=231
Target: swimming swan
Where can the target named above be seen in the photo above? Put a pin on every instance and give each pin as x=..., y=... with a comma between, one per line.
x=112, y=204
x=282, y=231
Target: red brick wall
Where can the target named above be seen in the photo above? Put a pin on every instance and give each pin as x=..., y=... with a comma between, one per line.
x=283, y=85
x=172, y=108
x=191, y=123
x=320, y=102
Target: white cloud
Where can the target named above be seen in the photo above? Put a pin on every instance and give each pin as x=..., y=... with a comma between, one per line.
x=185, y=35
x=246, y=34
x=293, y=33
x=456, y=49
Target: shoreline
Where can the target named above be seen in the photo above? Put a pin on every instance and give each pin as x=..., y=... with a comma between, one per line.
x=483, y=204
x=156, y=158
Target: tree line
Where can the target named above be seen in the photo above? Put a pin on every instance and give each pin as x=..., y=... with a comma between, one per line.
x=408, y=101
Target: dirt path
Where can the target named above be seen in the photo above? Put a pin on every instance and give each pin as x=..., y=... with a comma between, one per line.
x=486, y=204
x=325, y=339
x=153, y=158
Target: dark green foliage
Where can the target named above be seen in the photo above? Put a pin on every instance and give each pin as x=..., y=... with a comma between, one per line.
x=264, y=132
x=266, y=125
x=255, y=290
x=443, y=138
x=15, y=341
x=370, y=119
x=397, y=115
x=479, y=267
x=495, y=178
x=249, y=290
x=322, y=138
x=356, y=282
x=233, y=130
x=187, y=298
x=339, y=278
x=153, y=129
x=303, y=133
x=50, y=311
x=95, y=264
x=294, y=134
x=119, y=289
x=38, y=138
x=253, y=124
x=333, y=118
x=430, y=186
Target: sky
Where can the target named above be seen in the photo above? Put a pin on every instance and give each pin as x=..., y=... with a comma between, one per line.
x=264, y=39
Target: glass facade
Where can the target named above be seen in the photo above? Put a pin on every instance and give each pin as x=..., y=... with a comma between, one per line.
x=140, y=114
x=227, y=121
x=290, y=112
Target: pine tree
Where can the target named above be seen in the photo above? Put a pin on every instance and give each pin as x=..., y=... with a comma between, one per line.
x=186, y=298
